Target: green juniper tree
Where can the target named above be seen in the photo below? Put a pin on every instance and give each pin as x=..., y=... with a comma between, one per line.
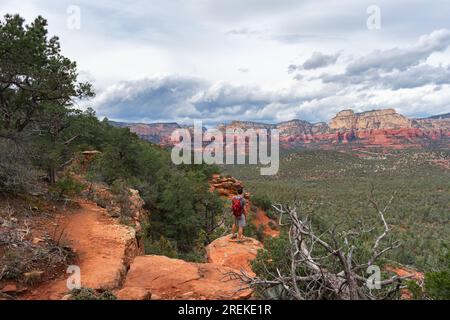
x=33, y=74
x=38, y=87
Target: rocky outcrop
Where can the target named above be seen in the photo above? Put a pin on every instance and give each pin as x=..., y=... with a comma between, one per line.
x=228, y=253
x=377, y=119
x=377, y=128
x=109, y=257
x=168, y=278
x=226, y=186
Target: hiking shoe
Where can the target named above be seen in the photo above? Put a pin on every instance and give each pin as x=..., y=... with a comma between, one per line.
x=234, y=236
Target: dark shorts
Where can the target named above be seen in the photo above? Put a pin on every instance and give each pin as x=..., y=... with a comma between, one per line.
x=240, y=221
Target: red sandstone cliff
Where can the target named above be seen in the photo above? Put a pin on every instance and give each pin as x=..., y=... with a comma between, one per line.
x=377, y=128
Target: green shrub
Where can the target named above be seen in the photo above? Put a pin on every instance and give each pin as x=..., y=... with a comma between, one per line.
x=437, y=285
x=262, y=201
x=275, y=255
x=196, y=255
x=91, y=294
x=67, y=186
x=122, y=197
x=162, y=247
x=415, y=289
x=13, y=265
x=16, y=172
x=260, y=235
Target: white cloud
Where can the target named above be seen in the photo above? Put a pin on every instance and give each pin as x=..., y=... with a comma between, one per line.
x=226, y=59
x=413, y=87
x=402, y=58
x=316, y=61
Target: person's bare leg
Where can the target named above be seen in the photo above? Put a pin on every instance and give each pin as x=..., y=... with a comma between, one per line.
x=241, y=233
x=233, y=231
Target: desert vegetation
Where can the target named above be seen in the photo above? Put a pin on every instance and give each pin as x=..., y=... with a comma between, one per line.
x=334, y=188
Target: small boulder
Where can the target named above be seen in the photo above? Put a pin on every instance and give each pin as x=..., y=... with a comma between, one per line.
x=134, y=293
x=10, y=288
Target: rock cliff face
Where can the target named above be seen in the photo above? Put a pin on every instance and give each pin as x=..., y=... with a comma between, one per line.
x=441, y=122
x=158, y=133
x=377, y=128
x=377, y=119
x=245, y=125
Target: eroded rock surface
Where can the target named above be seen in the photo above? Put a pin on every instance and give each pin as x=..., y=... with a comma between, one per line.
x=177, y=279
x=230, y=253
x=105, y=249
x=377, y=119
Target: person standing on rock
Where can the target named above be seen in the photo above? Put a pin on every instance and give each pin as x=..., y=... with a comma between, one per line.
x=239, y=213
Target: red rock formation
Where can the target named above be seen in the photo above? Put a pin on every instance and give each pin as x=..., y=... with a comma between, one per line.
x=377, y=119
x=226, y=252
x=177, y=279
x=378, y=128
x=226, y=186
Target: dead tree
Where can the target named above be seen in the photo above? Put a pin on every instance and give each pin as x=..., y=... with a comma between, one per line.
x=325, y=265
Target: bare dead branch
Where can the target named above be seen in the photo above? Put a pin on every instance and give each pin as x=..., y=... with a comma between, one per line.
x=326, y=265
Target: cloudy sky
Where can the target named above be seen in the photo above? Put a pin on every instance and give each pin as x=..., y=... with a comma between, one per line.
x=262, y=60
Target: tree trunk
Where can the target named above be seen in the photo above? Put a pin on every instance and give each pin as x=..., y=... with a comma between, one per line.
x=52, y=176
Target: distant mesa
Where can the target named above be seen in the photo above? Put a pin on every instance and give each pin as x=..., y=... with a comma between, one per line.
x=376, y=119
x=439, y=117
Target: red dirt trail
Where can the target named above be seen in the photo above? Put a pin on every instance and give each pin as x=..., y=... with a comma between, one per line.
x=101, y=245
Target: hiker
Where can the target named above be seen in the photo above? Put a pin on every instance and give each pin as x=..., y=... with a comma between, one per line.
x=239, y=214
